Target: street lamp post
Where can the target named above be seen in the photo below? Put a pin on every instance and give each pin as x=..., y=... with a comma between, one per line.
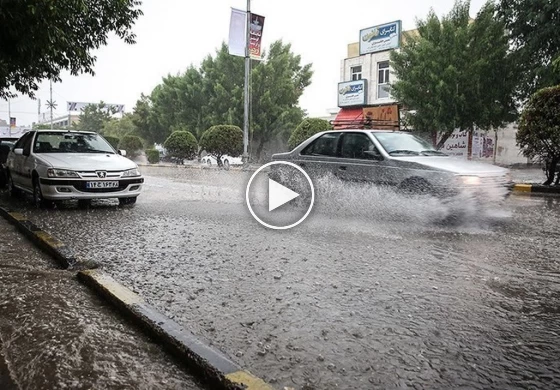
x=246, y=87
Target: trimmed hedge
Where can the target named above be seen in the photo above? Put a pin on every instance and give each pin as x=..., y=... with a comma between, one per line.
x=114, y=141
x=220, y=140
x=181, y=144
x=132, y=144
x=306, y=129
x=152, y=155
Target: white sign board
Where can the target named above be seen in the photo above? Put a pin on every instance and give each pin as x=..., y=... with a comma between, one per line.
x=352, y=93
x=78, y=106
x=380, y=38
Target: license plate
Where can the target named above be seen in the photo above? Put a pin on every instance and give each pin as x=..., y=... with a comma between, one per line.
x=102, y=184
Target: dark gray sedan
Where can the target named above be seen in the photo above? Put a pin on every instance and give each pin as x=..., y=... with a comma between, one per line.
x=398, y=159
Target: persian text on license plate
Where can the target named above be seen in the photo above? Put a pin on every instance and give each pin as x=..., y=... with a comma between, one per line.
x=102, y=184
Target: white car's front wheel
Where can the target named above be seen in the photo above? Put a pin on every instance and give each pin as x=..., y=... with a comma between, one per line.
x=12, y=190
x=38, y=199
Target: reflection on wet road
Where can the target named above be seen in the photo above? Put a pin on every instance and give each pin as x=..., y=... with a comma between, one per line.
x=369, y=292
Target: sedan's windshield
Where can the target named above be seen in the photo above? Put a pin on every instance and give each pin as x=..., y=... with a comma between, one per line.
x=406, y=144
x=57, y=142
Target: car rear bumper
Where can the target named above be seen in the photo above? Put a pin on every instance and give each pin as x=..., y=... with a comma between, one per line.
x=66, y=189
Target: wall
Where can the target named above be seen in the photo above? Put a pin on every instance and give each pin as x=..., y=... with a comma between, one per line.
x=369, y=72
x=504, y=151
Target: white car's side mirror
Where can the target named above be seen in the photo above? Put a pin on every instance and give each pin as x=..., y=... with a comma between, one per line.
x=122, y=152
x=18, y=151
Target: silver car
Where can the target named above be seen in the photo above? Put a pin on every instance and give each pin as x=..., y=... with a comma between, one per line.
x=398, y=159
x=55, y=165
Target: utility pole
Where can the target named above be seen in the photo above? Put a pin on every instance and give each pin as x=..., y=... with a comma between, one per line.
x=51, y=104
x=246, y=85
x=38, y=111
x=9, y=118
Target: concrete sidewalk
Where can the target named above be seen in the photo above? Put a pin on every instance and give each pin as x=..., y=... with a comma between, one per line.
x=55, y=334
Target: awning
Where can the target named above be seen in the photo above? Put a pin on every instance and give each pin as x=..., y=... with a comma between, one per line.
x=349, y=118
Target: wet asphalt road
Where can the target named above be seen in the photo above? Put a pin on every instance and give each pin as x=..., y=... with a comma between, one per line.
x=371, y=291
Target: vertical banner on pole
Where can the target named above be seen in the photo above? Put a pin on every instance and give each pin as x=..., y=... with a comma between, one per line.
x=237, y=36
x=12, y=122
x=255, y=33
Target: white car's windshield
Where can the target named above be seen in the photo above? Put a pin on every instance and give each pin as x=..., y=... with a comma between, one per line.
x=57, y=142
x=406, y=144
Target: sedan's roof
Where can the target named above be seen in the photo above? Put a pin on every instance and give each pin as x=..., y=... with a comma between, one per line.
x=370, y=130
x=64, y=131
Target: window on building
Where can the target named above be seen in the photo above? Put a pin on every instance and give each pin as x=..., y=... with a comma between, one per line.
x=383, y=80
x=356, y=72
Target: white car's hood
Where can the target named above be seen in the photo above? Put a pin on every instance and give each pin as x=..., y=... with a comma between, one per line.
x=456, y=165
x=87, y=161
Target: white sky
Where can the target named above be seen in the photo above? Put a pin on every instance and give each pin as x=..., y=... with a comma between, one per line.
x=175, y=33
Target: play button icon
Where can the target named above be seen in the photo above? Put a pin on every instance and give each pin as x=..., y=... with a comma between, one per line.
x=282, y=201
x=279, y=195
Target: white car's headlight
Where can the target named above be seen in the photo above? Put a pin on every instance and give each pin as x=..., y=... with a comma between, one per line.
x=470, y=180
x=53, y=172
x=131, y=173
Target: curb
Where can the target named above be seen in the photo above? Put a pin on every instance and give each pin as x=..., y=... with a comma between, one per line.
x=51, y=245
x=536, y=189
x=213, y=366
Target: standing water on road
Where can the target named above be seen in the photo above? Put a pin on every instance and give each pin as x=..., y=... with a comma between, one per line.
x=371, y=291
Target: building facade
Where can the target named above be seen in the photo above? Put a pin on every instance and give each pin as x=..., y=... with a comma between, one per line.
x=365, y=76
x=59, y=122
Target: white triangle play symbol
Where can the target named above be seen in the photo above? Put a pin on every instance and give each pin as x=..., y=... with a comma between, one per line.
x=279, y=194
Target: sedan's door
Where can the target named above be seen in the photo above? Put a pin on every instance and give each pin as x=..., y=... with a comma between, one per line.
x=360, y=160
x=16, y=161
x=319, y=158
x=28, y=162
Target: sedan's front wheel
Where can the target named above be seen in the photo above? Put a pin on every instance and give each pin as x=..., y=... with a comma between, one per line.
x=12, y=190
x=38, y=199
x=127, y=201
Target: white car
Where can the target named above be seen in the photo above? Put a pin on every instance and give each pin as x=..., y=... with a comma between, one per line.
x=227, y=161
x=58, y=165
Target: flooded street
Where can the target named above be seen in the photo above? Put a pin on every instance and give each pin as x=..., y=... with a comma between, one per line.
x=371, y=291
x=55, y=334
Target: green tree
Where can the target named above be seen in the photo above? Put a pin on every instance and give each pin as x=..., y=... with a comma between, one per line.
x=143, y=120
x=306, y=129
x=41, y=38
x=94, y=117
x=221, y=140
x=119, y=127
x=181, y=144
x=213, y=94
x=278, y=84
x=533, y=27
x=539, y=130
x=132, y=144
x=456, y=73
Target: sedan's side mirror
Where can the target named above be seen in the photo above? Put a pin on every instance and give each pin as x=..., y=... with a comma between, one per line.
x=122, y=152
x=18, y=152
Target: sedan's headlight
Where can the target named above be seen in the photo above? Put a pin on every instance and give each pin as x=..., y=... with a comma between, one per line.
x=131, y=173
x=53, y=172
x=470, y=180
